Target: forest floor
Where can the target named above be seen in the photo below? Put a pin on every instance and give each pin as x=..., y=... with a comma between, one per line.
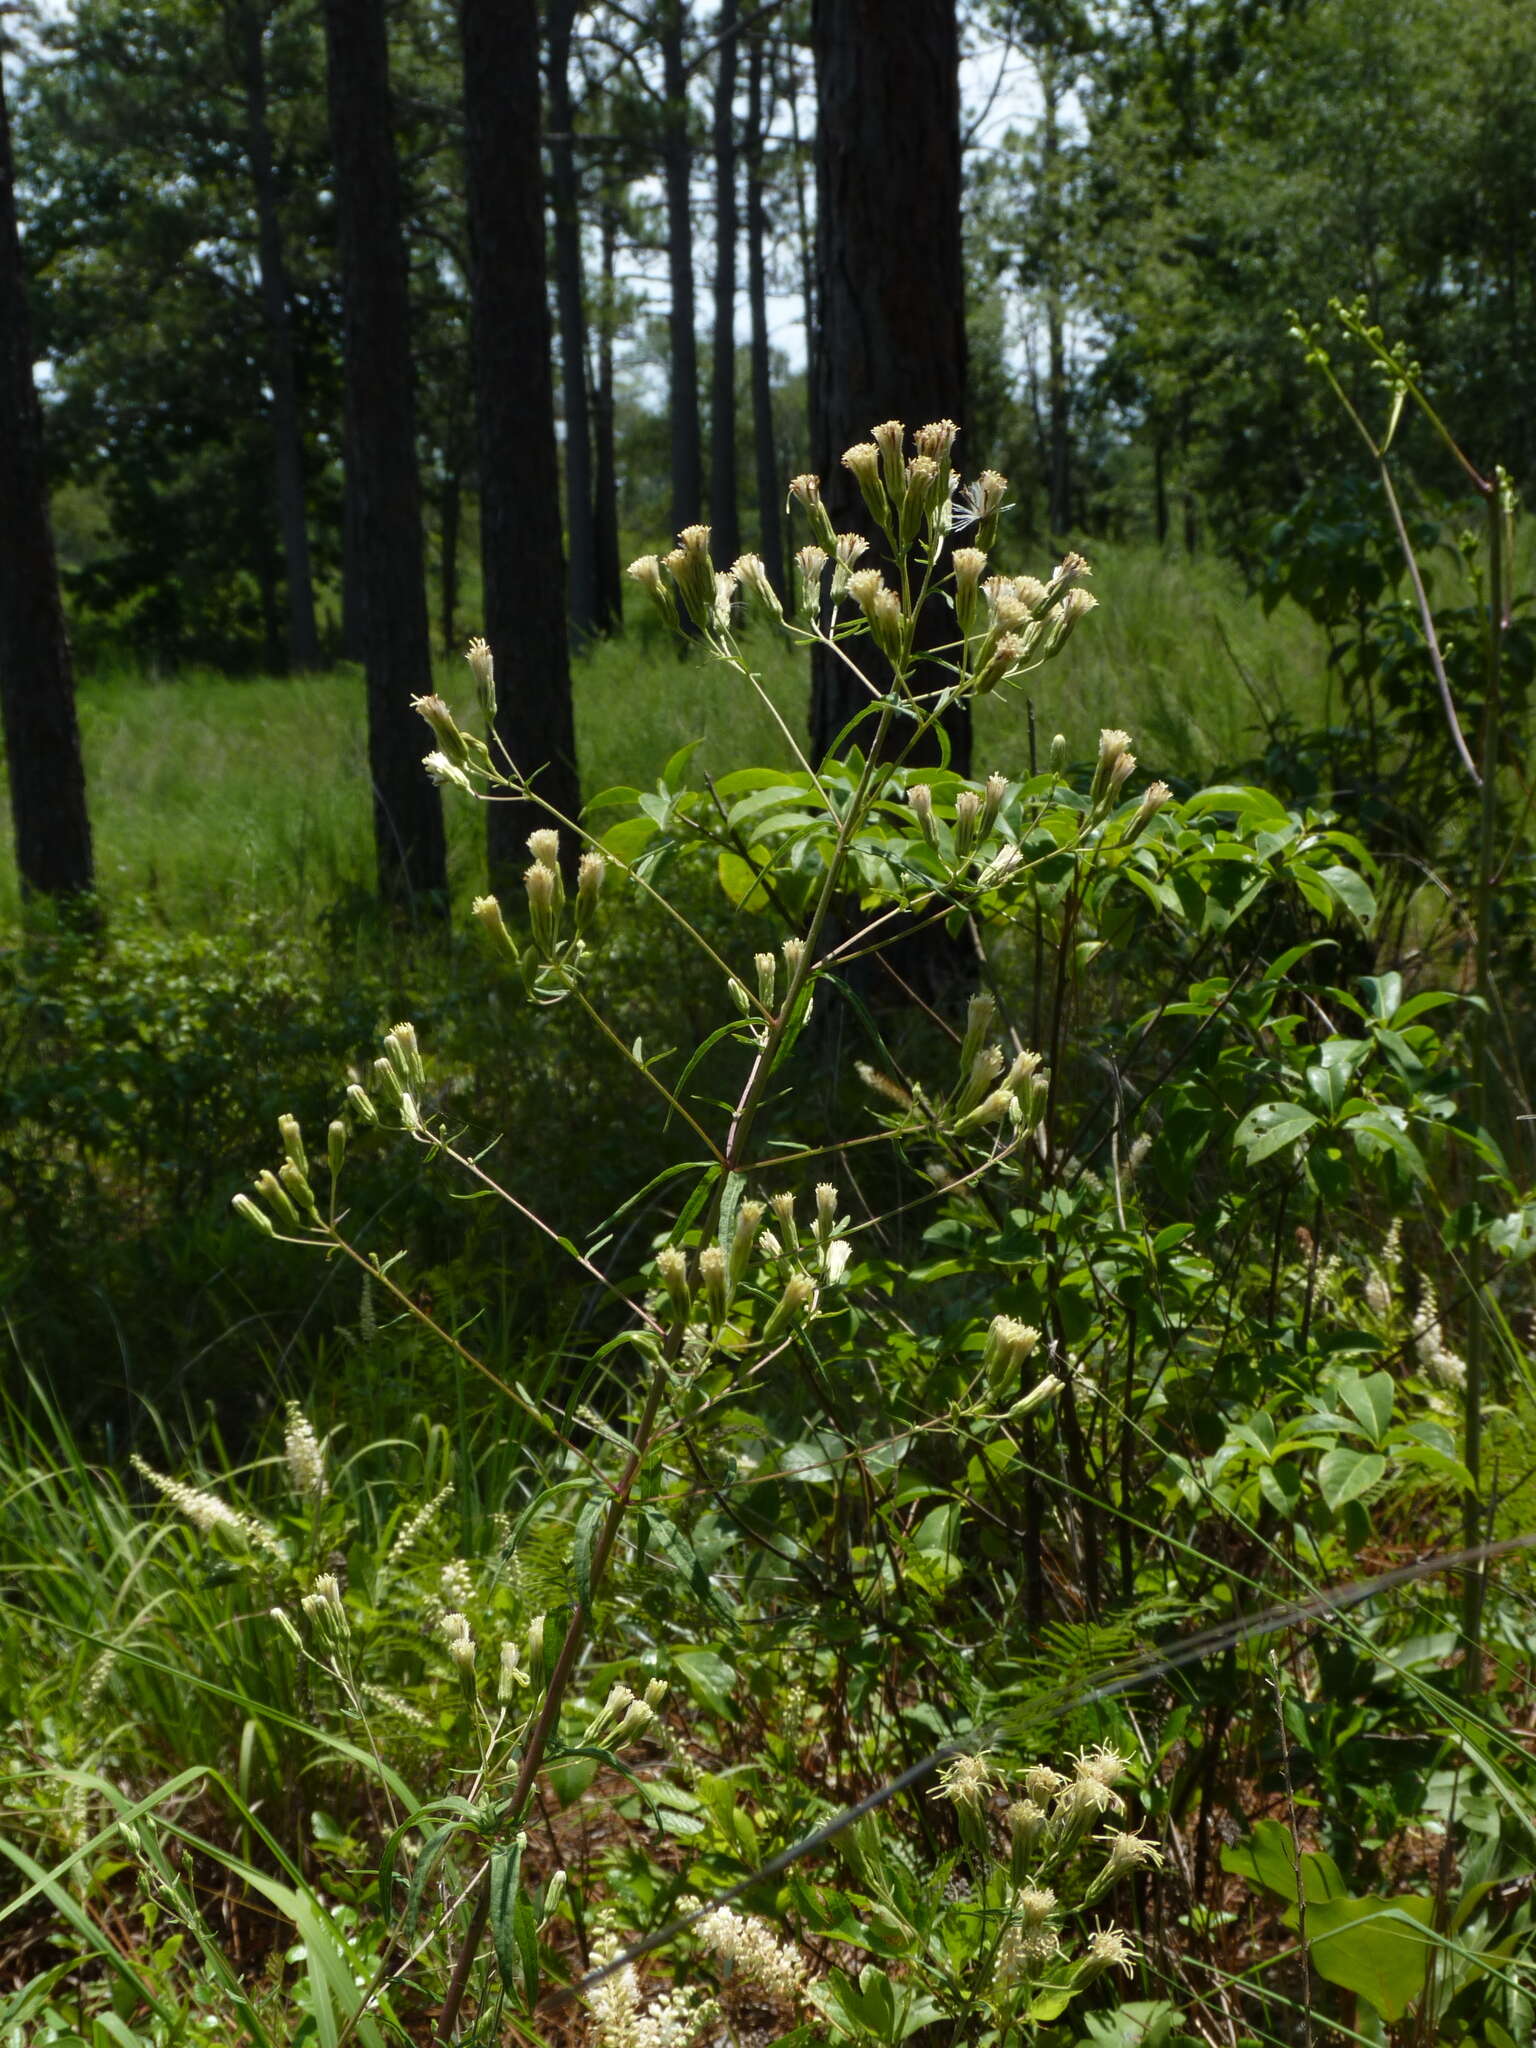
x=212, y=796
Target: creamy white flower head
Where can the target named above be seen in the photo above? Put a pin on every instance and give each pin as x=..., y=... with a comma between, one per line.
x=750, y=1947
x=967, y=1782
x=304, y=1455
x=836, y=1258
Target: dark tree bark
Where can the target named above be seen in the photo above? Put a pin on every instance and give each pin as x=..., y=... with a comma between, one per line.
x=725, y=540
x=1057, y=383
x=450, y=502
x=770, y=485
x=287, y=426
x=579, y=510
x=407, y=813
x=677, y=165
x=354, y=602
x=890, y=289
x=610, y=581
x=520, y=540
x=37, y=684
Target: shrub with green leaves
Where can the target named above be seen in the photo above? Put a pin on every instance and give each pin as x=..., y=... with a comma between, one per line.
x=996, y=1371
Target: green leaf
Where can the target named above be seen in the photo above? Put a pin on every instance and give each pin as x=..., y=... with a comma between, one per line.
x=674, y=1546
x=1351, y=890
x=505, y=1876
x=1343, y=1475
x=709, y=1678
x=1370, y=1402
x=1271, y=1127
x=1378, y=1948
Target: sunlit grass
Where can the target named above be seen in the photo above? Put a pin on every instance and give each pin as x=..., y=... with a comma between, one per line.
x=210, y=797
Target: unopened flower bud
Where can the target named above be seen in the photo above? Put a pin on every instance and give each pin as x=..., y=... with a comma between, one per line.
x=1004, y=655
x=888, y=621
x=863, y=460
x=554, y=1892
x=783, y=1207
x=1058, y=753
x=980, y=1015
x=543, y=886
x=462, y=1650
x=511, y=1678
x=362, y=1103
x=253, y=1214
x=968, y=565
x=275, y=1195
x=826, y=1212
x=835, y=1261
x=589, y=886
x=920, y=797
x=646, y=570
x=767, y=979
x=1040, y=1395
x=1113, y=744
x=483, y=669
x=404, y=1054
x=890, y=438
x=751, y=572
x=968, y=807
x=712, y=1272
x=996, y=789
x=991, y=1110
x=806, y=492
x=799, y=1292
x=922, y=480
x=749, y=1221
x=1153, y=798
x=672, y=1265
x=536, y=1647
x=794, y=953
x=811, y=562
x=655, y=1693
x=293, y=1142
x=336, y=1146
x=487, y=913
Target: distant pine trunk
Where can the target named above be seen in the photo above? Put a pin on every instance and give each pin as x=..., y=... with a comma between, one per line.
x=520, y=540
x=407, y=813
x=287, y=425
x=677, y=164
x=726, y=538
x=890, y=285
x=579, y=509
x=770, y=484
x=610, y=581
x=37, y=684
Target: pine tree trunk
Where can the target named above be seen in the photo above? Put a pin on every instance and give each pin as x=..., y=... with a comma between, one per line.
x=610, y=582
x=725, y=539
x=407, y=813
x=449, y=507
x=37, y=684
x=890, y=288
x=1058, y=388
x=770, y=485
x=677, y=164
x=573, y=326
x=520, y=539
x=287, y=425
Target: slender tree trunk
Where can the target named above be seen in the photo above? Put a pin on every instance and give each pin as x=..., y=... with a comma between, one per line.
x=520, y=540
x=287, y=426
x=573, y=325
x=726, y=536
x=1058, y=389
x=890, y=284
x=37, y=683
x=805, y=234
x=407, y=813
x=449, y=506
x=677, y=153
x=354, y=601
x=770, y=485
x=610, y=584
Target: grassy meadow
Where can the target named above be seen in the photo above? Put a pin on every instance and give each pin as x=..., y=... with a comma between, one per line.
x=211, y=797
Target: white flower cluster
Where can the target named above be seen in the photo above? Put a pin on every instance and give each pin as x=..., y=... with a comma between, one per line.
x=304, y=1455
x=206, y=1512
x=1434, y=1354
x=622, y=2019
x=412, y=1531
x=751, y=1949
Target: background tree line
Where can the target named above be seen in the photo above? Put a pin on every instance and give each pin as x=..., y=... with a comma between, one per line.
x=1166, y=179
